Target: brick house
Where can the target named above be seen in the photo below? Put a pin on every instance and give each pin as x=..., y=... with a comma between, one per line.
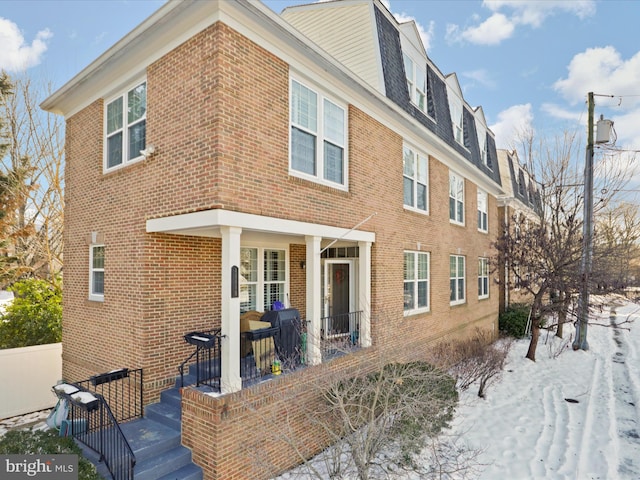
x=221, y=158
x=521, y=196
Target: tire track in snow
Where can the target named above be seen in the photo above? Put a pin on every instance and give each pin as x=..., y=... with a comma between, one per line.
x=625, y=384
x=551, y=446
x=584, y=454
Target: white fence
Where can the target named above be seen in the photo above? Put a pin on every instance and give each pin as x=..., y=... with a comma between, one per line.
x=26, y=377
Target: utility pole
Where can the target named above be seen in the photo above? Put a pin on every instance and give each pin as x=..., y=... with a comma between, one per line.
x=587, y=242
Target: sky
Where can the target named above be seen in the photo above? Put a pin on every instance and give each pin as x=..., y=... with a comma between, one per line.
x=529, y=63
x=571, y=415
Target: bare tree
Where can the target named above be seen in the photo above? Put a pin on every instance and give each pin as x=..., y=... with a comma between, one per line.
x=473, y=360
x=543, y=254
x=32, y=184
x=382, y=419
x=616, y=246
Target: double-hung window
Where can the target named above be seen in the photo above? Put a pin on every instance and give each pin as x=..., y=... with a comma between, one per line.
x=483, y=278
x=126, y=127
x=263, y=278
x=483, y=216
x=416, y=74
x=456, y=279
x=456, y=198
x=416, y=282
x=415, y=179
x=318, y=137
x=96, y=273
x=455, y=107
x=482, y=143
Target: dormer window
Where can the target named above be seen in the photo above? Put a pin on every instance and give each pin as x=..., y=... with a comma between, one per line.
x=416, y=73
x=482, y=144
x=455, y=107
x=125, y=127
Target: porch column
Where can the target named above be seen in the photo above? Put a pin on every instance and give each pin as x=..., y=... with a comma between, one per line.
x=314, y=302
x=230, y=380
x=364, y=289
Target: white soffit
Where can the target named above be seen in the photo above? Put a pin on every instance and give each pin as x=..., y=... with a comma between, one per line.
x=208, y=223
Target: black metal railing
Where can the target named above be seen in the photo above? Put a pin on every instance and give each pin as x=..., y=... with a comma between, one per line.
x=270, y=350
x=92, y=421
x=207, y=358
x=340, y=333
x=122, y=389
x=258, y=354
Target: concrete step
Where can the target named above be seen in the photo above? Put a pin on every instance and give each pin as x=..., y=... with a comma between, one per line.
x=164, y=412
x=163, y=464
x=172, y=396
x=188, y=472
x=149, y=438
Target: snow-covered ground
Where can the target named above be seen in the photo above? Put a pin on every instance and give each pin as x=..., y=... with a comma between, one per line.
x=569, y=416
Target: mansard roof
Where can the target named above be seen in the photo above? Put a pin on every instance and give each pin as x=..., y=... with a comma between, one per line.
x=438, y=117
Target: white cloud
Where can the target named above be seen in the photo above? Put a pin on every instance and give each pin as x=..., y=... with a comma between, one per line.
x=534, y=12
x=556, y=111
x=15, y=54
x=425, y=34
x=626, y=130
x=512, y=123
x=507, y=15
x=614, y=82
x=603, y=71
x=492, y=31
x=481, y=76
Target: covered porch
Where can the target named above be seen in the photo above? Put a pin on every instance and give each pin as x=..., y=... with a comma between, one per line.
x=335, y=272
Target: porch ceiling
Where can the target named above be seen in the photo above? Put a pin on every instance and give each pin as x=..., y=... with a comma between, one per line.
x=207, y=223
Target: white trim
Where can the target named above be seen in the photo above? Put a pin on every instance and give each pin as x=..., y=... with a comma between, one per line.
x=94, y=297
x=261, y=282
x=352, y=285
x=320, y=135
x=230, y=380
x=314, y=302
x=486, y=260
x=463, y=300
x=485, y=211
x=123, y=93
x=417, y=154
x=416, y=280
x=455, y=220
x=207, y=223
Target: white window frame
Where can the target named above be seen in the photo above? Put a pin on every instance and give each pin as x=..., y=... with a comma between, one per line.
x=457, y=265
x=412, y=277
x=456, y=108
x=483, y=211
x=93, y=295
x=124, y=129
x=482, y=143
x=261, y=283
x=322, y=135
x=456, y=195
x=412, y=72
x=483, y=278
x=415, y=169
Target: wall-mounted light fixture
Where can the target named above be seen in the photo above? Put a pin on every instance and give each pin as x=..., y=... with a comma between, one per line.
x=147, y=152
x=303, y=264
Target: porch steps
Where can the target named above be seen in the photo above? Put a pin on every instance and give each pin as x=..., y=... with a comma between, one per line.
x=158, y=450
x=156, y=441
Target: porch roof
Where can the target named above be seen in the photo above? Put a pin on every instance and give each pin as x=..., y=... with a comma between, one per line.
x=207, y=223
